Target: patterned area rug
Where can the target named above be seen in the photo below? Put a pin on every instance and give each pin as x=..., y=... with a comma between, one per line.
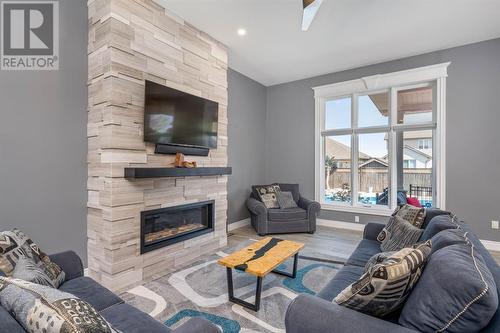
x=200, y=289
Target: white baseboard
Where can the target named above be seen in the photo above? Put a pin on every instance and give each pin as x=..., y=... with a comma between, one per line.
x=491, y=245
x=238, y=224
x=340, y=224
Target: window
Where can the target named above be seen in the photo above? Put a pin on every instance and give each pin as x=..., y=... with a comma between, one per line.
x=425, y=144
x=381, y=139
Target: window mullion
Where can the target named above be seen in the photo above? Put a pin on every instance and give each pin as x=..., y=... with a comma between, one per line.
x=354, y=151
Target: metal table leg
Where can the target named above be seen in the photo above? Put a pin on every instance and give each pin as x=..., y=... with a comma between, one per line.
x=255, y=307
x=294, y=272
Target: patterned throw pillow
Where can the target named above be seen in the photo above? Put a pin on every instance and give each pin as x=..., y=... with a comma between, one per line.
x=412, y=214
x=26, y=269
x=15, y=245
x=44, y=309
x=267, y=194
x=285, y=200
x=386, y=285
x=398, y=234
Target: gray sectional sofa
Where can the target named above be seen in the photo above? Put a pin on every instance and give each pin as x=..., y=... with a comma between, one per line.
x=122, y=316
x=318, y=314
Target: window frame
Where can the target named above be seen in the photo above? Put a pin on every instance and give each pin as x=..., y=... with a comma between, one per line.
x=428, y=76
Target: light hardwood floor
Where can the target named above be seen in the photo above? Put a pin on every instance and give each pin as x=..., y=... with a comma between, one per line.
x=330, y=242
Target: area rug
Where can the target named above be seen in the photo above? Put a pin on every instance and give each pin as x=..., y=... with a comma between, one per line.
x=200, y=289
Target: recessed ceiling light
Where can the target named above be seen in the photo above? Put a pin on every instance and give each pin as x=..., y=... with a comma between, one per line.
x=242, y=32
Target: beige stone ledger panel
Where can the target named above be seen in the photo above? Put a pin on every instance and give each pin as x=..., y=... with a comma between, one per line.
x=131, y=41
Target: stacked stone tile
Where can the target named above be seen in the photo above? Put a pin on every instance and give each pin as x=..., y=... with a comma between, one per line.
x=131, y=41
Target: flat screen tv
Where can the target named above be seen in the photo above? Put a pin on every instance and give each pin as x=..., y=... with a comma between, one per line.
x=174, y=117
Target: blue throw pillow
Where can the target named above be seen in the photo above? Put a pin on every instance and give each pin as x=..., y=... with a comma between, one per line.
x=437, y=224
x=456, y=292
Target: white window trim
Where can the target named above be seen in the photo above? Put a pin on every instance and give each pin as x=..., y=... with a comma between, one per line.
x=423, y=75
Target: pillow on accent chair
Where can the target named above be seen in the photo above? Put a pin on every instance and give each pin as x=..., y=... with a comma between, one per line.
x=267, y=194
x=15, y=245
x=456, y=293
x=398, y=234
x=412, y=214
x=385, y=286
x=45, y=309
x=285, y=200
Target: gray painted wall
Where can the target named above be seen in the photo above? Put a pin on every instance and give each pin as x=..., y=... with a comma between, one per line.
x=43, y=143
x=247, y=129
x=473, y=115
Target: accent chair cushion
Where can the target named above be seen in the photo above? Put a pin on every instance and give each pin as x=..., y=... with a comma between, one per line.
x=412, y=214
x=267, y=194
x=456, y=293
x=285, y=200
x=439, y=223
x=45, y=309
x=15, y=245
x=398, y=234
x=386, y=285
x=287, y=214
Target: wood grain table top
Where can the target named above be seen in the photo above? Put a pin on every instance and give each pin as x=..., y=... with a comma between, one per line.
x=262, y=257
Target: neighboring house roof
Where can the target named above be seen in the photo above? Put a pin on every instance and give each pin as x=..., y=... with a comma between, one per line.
x=340, y=151
x=374, y=163
x=416, y=151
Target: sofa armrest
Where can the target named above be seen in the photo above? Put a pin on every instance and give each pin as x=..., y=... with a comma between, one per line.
x=70, y=263
x=310, y=205
x=372, y=230
x=197, y=325
x=315, y=315
x=256, y=207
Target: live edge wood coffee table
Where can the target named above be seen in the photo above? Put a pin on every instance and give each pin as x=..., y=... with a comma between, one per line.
x=259, y=259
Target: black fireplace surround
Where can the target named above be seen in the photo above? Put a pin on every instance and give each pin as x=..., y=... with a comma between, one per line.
x=166, y=226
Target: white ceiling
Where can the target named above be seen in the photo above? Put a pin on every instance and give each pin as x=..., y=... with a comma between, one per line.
x=345, y=34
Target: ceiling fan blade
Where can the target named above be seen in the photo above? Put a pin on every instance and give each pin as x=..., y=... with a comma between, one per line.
x=310, y=10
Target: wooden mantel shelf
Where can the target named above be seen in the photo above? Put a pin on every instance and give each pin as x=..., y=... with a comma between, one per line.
x=135, y=173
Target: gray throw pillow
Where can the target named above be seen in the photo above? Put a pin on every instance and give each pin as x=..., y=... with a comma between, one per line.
x=285, y=200
x=15, y=245
x=385, y=286
x=26, y=269
x=398, y=234
x=45, y=309
x=456, y=293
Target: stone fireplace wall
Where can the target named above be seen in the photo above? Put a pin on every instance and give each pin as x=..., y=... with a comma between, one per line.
x=131, y=41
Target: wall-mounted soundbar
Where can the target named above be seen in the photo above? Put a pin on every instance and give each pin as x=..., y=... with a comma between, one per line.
x=186, y=150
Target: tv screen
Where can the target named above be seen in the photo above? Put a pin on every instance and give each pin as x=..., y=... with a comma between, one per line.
x=175, y=117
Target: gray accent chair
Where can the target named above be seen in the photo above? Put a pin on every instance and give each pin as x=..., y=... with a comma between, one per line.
x=120, y=315
x=278, y=221
x=319, y=314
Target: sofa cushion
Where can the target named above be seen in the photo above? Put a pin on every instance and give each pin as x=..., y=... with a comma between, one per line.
x=456, y=293
x=8, y=323
x=126, y=318
x=45, y=309
x=446, y=238
x=285, y=200
x=384, y=288
x=92, y=292
x=437, y=224
x=414, y=215
x=363, y=252
x=343, y=278
x=15, y=245
x=398, y=234
x=431, y=213
x=287, y=214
